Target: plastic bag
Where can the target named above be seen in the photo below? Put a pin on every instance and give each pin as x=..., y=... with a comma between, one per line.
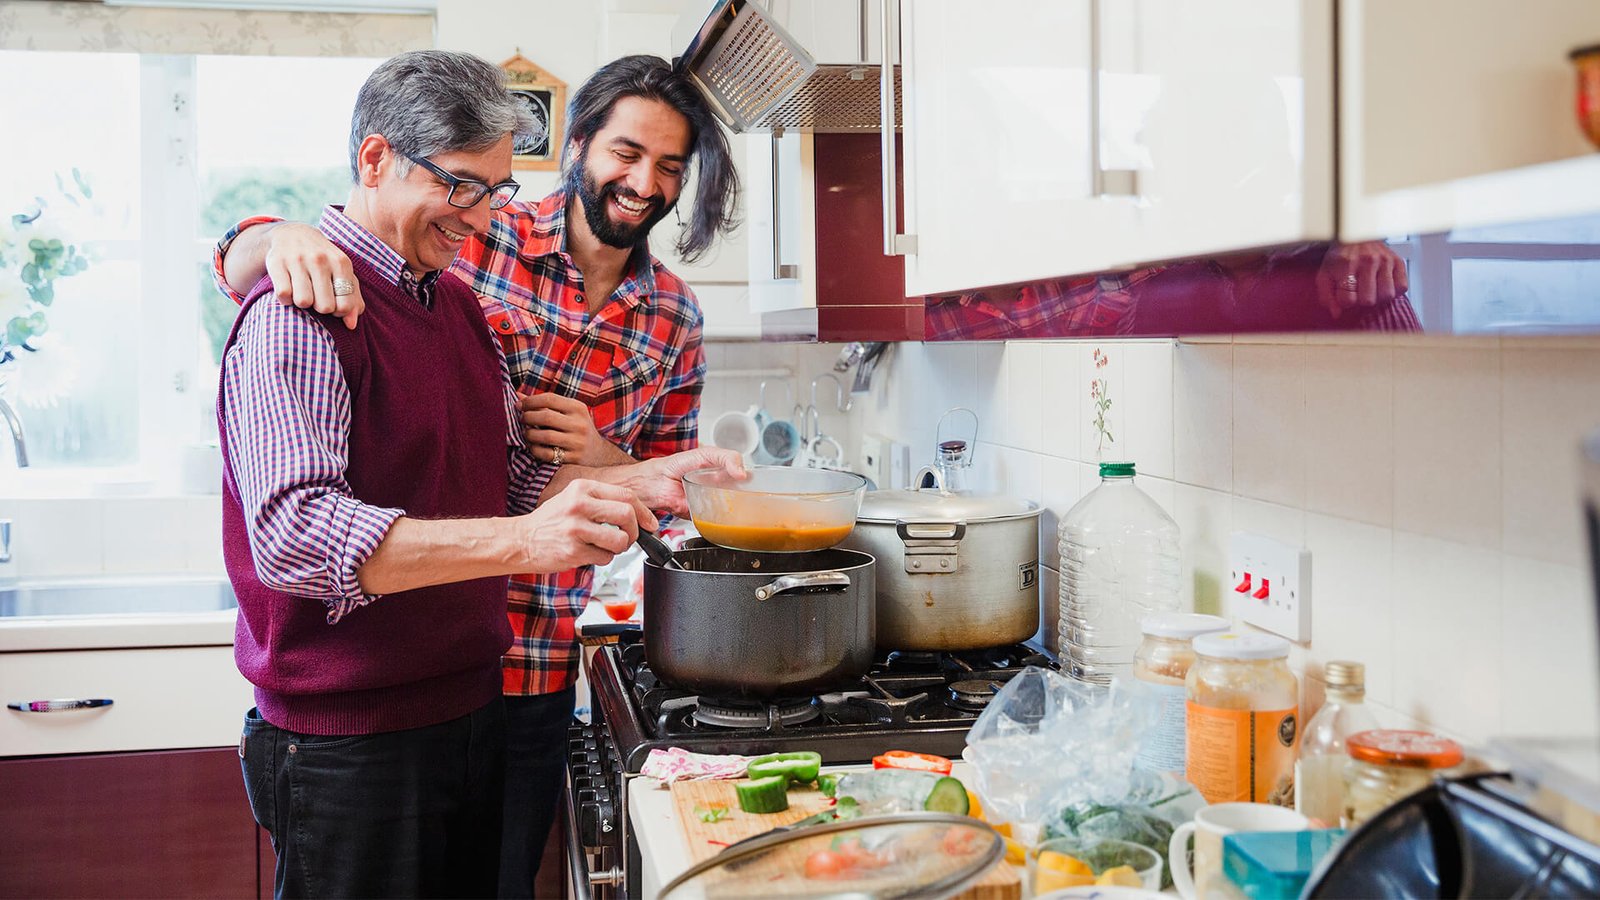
x=1047, y=742
x=1055, y=757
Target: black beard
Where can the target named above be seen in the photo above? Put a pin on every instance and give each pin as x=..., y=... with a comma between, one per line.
x=596, y=199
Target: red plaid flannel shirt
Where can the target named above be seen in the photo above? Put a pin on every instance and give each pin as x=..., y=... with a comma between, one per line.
x=638, y=364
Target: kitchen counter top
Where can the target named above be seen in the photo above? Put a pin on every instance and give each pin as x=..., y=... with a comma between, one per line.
x=33, y=633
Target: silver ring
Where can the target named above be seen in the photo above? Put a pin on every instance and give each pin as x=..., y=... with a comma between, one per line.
x=1351, y=283
x=558, y=455
x=343, y=287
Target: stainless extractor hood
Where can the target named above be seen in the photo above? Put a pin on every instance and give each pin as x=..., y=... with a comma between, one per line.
x=760, y=78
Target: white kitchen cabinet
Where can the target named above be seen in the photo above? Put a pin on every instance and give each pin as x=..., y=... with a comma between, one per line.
x=1461, y=116
x=164, y=698
x=1212, y=132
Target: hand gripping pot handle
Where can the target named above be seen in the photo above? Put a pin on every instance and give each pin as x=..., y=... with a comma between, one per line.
x=811, y=583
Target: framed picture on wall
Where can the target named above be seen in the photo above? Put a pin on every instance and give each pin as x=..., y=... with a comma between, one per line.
x=545, y=96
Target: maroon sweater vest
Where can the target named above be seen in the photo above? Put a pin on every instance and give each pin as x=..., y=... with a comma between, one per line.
x=427, y=435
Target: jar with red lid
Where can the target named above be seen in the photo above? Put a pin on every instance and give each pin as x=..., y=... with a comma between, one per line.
x=1388, y=765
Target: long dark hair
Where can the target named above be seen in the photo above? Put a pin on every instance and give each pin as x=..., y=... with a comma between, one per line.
x=653, y=78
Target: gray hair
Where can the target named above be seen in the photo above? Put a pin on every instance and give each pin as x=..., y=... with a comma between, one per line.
x=435, y=101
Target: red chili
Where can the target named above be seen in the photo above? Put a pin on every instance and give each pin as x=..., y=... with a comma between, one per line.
x=717, y=843
x=920, y=762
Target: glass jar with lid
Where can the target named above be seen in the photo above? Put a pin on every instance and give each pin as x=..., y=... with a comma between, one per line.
x=1162, y=664
x=1387, y=765
x=1242, y=719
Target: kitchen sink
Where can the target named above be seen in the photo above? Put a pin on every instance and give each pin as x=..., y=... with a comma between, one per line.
x=108, y=596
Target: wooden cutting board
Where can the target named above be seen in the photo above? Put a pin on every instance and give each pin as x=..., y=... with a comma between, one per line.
x=707, y=839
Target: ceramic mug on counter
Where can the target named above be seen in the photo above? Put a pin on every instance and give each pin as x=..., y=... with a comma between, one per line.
x=1210, y=825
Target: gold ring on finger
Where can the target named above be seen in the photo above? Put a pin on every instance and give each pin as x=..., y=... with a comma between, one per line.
x=558, y=455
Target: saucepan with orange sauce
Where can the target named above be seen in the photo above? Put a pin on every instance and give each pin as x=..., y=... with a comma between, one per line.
x=776, y=510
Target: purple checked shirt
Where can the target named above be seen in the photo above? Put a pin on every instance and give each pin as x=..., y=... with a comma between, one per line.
x=289, y=424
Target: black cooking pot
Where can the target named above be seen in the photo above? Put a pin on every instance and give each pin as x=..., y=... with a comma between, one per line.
x=735, y=624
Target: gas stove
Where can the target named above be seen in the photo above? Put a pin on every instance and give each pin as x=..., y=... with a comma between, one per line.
x=924, y=702
x=908, y=701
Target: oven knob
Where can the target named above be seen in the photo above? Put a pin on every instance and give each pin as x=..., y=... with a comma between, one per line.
x=589, y=823
x=590, y=758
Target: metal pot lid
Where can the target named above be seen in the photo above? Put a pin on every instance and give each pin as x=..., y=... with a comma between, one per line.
x=903, y=855
x=929, y=505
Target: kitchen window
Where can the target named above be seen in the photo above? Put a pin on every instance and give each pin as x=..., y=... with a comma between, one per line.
x=173, y=149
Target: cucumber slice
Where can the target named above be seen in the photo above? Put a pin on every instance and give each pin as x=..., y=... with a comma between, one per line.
x=828, y=784
x=769, y=794
x=800, y=766
x=949, y=795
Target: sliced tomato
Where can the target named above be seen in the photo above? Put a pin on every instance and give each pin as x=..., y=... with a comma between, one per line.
x=826, y=864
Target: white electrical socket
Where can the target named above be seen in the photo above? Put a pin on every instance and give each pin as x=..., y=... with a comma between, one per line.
x=1270, y=583
x=899, y=465
x=875, y=459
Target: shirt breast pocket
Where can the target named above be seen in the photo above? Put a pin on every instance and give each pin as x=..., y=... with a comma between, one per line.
x=631, y=389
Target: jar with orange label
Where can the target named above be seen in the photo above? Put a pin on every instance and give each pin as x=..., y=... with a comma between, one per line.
x=1387, y=766
x=1242, y=719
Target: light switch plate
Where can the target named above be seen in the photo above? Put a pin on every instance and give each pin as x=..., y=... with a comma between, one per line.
x=1282, y=573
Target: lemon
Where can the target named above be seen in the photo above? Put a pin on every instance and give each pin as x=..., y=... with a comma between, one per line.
x=1119, y=876
x=1046, y=880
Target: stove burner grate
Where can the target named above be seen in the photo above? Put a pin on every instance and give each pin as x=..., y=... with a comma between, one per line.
x=751, y=714
x=974, y=694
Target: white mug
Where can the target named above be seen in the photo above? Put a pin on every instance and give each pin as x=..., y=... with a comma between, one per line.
x=1210, y=825
x=738, y=430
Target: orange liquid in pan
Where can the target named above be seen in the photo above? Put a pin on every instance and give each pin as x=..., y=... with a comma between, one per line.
x=774, y=538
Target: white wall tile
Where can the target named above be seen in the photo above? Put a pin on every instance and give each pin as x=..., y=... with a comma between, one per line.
x=1447, y=438
x=1203, y=414
x=1147, y=416
x=1205, y=520
x=144, y=536
x=1551, y=399
x=1448, y=652
x=1548, y=671
x=1059, y=401
x=1015, y=473
x=1107, y=369
x=1349, y=429
x=1352, y=598
x=1269, y=435
x=58, y=537
x=1020, y=417
x=1061, y=490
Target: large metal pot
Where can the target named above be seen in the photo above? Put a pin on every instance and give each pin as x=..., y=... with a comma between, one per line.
x=734, y=624
x=955, y=571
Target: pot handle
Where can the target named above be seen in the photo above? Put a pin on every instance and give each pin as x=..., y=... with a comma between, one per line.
x=932, y=548
x=811, y=582
x=912, y=532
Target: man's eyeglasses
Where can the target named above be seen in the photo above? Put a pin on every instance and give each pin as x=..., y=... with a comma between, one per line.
x=466, y=193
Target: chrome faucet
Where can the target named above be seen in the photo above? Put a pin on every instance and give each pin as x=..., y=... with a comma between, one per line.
x=18, y=442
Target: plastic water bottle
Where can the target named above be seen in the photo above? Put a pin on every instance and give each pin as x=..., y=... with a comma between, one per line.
x=1119, y=563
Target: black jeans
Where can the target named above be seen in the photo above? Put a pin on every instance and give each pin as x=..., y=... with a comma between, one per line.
x=412, y=813
x=536, y=765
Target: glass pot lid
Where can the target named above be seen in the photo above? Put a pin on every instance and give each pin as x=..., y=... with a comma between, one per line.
x=910, y=855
